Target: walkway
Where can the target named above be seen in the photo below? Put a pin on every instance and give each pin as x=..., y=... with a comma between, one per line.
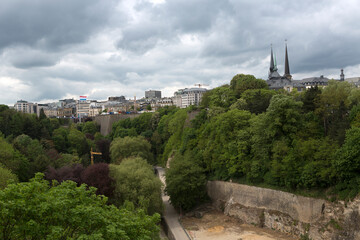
x=176, y=231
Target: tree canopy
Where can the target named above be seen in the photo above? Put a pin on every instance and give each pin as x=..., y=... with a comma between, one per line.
x=122, y=148
x=136, y=182
x=34, y=210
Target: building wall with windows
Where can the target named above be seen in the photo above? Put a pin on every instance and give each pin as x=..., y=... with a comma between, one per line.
x=82, y=108
x=152, y=94
x=188, y=96
x=25, y=106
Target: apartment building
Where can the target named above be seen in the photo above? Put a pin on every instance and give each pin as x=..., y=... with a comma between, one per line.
x=188, y=96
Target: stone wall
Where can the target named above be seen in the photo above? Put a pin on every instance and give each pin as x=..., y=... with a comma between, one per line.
x=286, y=212
x=106, y=121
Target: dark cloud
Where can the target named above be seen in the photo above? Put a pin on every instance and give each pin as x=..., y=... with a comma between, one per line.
x=24, y=57
x=51, y=24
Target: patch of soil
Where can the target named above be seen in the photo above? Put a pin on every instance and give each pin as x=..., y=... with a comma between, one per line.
x=214, y=225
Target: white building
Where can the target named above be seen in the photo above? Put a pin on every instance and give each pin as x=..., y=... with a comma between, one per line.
x=188, y=96
x=82, y=108
x=25, y=106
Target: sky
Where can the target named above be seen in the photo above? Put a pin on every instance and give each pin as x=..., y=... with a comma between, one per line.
x=51, y=50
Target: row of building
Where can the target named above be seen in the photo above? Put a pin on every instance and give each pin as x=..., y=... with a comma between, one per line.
x=71, y=108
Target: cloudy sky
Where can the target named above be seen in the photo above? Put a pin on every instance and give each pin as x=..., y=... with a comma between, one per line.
x=57, y=49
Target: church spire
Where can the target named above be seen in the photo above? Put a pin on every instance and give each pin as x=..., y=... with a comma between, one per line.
x=272, y=67
x=287, y=68
x=275, y=63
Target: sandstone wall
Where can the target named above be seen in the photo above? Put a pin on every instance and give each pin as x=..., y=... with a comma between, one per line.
x=286, y=212
x=106, y=121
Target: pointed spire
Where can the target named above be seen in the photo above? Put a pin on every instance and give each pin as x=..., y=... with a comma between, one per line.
x=275, y=64
x=272, y=61
x=287, y=68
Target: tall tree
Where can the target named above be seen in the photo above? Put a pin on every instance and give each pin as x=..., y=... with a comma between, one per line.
x=136, y=182
x=185, y=183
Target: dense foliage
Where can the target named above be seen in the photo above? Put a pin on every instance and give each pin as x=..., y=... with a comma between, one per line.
x=68, y=211
x=6, y=177
x=136, y=182
x=185, y=183
x=122, y=148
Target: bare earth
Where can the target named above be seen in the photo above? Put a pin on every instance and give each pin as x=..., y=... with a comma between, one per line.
x=214, y=225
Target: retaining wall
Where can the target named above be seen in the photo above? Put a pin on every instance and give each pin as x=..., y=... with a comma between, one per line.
x=106, y=121
x=286, y=212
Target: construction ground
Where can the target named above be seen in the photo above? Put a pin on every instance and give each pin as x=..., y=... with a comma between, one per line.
x=211, y=224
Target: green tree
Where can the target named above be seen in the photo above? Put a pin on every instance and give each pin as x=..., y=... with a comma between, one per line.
x=347, y=161
x=136, y=182
x=13, y=160
x=77, y=142
x=185, y=183
x=283, y=117
x=3, y=107
x=32, y=126
x=122, y=148
x=220, y=97
x=124, y=132
x=241, y=82
x=54, y=123
x=33, y=151
x=90, y=127
x=60, y=138
x=65, y=159
x=67, y=211
x=254, y=100
x=311, y=99
x=142, y=122
x=333, y=107
x=173, y=132
x=224, y=144
x=42, y=114
x=6, y=176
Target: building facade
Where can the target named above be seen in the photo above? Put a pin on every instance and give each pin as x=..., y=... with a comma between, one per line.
x=153, y=94
x=82, y=108
x=188, y=96
x=25, y=106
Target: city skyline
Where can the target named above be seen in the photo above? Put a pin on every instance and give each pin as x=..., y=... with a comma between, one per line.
x=65, y=49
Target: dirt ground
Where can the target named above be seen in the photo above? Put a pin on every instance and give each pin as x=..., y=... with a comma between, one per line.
x=211, y=224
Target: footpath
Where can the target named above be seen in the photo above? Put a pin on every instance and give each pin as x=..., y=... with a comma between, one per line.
x=174, y=229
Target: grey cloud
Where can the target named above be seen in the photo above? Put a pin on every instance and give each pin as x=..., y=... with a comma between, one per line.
x=51, y=24
x=166, y=21
x=22, y=57
x=147, y=41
